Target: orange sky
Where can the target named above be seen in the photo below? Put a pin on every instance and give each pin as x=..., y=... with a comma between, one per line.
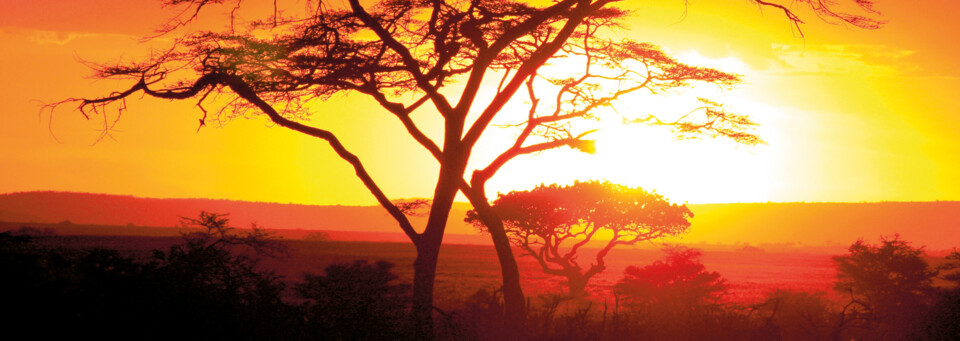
x=848, y=114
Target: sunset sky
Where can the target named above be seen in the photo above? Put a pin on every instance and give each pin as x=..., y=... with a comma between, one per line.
x=848, y=115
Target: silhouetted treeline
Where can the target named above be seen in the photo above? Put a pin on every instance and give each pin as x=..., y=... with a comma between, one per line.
x=883, y=292
x=211, y=286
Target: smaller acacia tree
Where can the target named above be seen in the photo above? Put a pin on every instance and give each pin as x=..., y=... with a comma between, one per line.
x=551, y=223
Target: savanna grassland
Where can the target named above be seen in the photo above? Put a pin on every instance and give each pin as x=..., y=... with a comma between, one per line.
x=464, y=269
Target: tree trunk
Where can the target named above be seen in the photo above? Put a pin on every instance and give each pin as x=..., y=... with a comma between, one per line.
x=424, y=274
x=577, y=285
x=428, y=251
x=515, y=306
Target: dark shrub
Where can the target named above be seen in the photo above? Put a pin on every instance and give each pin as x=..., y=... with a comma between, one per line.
x=358, y=301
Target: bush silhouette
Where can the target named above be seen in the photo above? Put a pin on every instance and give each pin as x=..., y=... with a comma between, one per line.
x=889, y=286
x=796, y=315
x=943, y=318
x=675, y=298
x=678, y=282
x=358, y=301
x=218, y=289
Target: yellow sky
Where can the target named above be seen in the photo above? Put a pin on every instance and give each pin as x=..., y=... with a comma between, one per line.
x=848, y=114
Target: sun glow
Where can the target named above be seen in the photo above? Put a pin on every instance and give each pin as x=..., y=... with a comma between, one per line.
x=682, y=170
x=686, y=169
x=697, y=170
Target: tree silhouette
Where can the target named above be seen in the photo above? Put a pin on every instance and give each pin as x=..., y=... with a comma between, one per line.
x=552, y=223
x=217, y=256
x=216, y=276
x=891, y=285
x=403, y=54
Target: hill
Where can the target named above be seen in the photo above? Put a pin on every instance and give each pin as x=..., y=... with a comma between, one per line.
x=104, y=209
x=934, y=224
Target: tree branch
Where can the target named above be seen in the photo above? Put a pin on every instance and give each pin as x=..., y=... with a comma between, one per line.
x=243, y=90
x=528, y=67
x=411, y=63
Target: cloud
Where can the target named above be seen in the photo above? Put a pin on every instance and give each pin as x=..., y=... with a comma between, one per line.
x=59, y=38
x=841, y=60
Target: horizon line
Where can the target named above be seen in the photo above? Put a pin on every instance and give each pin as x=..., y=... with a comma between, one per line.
x=461, y=202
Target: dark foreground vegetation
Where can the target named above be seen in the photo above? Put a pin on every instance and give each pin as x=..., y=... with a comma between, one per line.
x=212, y=285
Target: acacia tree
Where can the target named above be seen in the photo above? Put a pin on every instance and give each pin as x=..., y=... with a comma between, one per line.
x=403, y=54
x=551, y=223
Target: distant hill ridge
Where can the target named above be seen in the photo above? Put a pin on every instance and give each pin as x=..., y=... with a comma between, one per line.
x=935, y=224
x=106, y=209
